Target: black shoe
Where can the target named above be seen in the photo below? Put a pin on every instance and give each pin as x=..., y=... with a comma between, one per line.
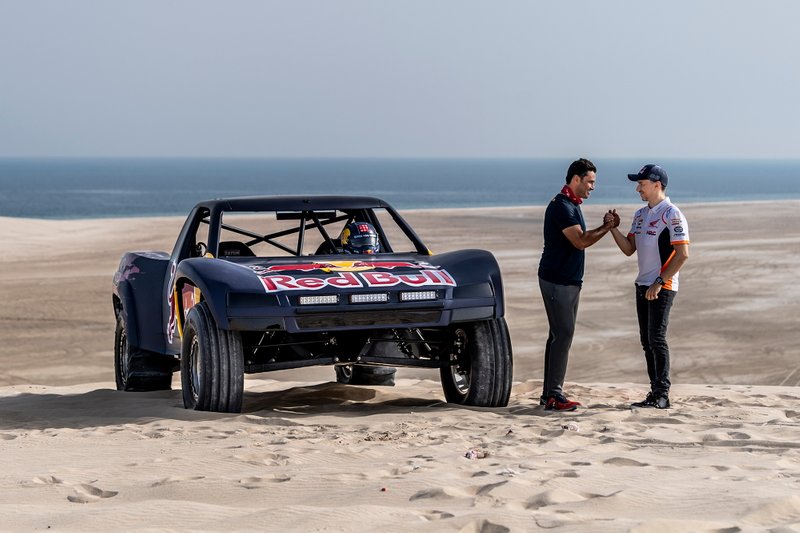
x=660, y=401
x=542, y=400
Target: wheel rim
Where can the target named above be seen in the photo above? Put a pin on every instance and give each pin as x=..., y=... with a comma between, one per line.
x=194, y=364
x=460, y=371
x=122, y=354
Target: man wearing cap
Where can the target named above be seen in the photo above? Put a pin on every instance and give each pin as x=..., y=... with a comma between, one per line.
x=659, y=235
x=561, y=275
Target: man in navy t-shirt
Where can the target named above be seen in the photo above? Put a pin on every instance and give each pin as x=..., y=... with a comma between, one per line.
x=561, y=275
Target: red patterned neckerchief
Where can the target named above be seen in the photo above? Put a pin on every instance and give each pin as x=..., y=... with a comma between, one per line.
x=566, y=191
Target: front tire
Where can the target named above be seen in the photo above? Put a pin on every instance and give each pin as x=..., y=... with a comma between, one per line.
x=212, y=364
x=481, y=368
x=137, y=370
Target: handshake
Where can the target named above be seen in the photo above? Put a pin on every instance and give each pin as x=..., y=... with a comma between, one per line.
x=611, y=219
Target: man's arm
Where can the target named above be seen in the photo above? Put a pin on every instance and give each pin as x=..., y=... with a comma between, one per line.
x=583, y=239
x=674, y=265
x=625, y=243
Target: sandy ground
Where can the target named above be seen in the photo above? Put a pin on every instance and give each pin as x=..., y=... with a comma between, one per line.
x=307, y=454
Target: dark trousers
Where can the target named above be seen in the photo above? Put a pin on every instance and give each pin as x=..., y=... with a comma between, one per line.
x=561, y=305
x=653, y=320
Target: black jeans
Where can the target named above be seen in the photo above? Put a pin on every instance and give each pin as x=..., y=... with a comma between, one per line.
x=653, y=320
x=561, y=305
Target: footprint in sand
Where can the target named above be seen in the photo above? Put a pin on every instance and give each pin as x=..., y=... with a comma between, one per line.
x=261, y=482
x=350, y=477
x=89, y=493
x=175, y=479
x=660, y=420
x=484, y=490
x=553, y=497
x=47, y=480
x=411, y=466
x=435, y=494
x=436, y=515
x=782, y=511
x=6, y=436
x=484, y=526
x=623, y=461
x=260, y=459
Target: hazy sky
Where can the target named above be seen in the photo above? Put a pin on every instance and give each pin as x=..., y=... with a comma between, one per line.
x=379, y=78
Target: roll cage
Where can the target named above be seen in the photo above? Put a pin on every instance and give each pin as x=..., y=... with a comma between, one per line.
x=213, y=217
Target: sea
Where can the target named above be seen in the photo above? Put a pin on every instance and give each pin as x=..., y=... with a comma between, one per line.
x=70, y=188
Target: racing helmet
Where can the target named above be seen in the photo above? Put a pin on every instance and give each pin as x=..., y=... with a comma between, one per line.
x=360, y=238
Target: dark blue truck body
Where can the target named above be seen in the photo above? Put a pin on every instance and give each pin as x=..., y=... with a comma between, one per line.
x=297, y=308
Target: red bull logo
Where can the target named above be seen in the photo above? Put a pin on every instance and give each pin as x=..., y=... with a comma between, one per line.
x=420, y=278
x=173, y=311
x=351, y=274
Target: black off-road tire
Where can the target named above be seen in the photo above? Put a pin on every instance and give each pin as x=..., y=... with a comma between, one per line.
x=365, y=375
x=138, y=370
x=482, y=369
x=212, y=364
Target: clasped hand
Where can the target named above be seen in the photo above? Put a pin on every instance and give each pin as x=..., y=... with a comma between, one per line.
x=611, y=219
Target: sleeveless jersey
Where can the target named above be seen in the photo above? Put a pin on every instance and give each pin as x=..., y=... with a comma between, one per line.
x=655, y=232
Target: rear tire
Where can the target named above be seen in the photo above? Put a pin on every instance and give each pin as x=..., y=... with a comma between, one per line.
x=212, y=364
x=138, y=370
x=365, y=375
x=481, y=372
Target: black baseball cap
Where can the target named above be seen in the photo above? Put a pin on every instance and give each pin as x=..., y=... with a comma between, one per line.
x=650, y=172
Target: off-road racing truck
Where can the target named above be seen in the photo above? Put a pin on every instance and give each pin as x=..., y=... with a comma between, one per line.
x=263, y=283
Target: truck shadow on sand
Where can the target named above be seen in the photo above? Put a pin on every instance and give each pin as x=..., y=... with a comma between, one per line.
x=106, y=407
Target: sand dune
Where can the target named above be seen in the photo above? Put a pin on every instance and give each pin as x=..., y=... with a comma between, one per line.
x=307, y=454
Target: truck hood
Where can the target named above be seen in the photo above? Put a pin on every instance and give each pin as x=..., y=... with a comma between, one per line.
x=290, y=275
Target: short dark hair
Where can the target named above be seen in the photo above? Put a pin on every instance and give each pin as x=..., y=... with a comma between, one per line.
x=581, y=167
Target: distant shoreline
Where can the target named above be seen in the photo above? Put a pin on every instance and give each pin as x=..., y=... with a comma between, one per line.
x=67, y=189
x=588, y=205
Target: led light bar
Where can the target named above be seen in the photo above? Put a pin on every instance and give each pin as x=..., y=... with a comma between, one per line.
x=416, y=296
x=369, y=298
x=319, y=300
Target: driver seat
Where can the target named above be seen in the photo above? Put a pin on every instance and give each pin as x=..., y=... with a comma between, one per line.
x=234, y=249
x=325, y=249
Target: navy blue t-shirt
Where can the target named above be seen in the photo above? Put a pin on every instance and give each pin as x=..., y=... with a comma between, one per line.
x=561, y=262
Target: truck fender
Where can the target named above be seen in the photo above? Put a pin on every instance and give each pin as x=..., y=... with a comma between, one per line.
x=215, y=299
x=474, y=267
x=127, y=312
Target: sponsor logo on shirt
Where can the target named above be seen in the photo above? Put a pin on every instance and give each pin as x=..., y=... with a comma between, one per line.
x=678, y=230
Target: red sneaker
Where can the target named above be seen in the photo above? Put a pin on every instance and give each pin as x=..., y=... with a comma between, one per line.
x=558, y=402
